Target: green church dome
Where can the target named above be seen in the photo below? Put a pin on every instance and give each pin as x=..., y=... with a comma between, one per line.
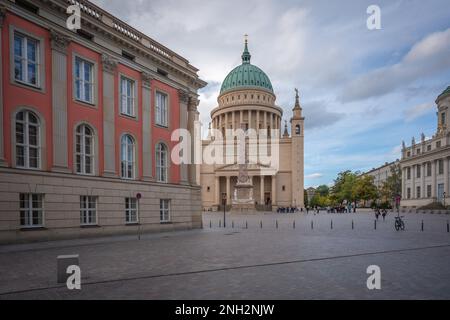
x=246, y=76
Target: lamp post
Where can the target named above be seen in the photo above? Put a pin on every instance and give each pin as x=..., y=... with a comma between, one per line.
x=224, y=203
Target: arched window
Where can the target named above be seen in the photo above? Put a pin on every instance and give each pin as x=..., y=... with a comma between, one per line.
x=27, y=140
x=297, y=129
x=84, y=149
x=161, y=162
x=127, y=157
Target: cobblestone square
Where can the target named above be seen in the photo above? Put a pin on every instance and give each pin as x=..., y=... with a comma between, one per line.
x=246, y=263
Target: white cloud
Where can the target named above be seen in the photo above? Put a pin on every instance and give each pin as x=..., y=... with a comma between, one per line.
x=417, y=111
x=314, y=176
x=427, y=57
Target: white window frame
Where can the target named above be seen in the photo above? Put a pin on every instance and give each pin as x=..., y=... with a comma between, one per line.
x=83, y=81
x=125, y=161
x=131, y=211
x=25, y=61
x=28, y=210
x=26, y=143
x=161, y=111
x=161, y=158
x=164, y=210
x=82, y=154
x=129, y=108
x=88, y=214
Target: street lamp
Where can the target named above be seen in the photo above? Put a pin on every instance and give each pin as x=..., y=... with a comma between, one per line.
x=224, y=203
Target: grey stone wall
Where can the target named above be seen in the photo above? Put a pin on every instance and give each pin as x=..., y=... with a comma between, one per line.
x=62, y=205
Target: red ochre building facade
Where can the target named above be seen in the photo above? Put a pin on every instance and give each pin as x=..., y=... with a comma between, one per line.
x=86, y=119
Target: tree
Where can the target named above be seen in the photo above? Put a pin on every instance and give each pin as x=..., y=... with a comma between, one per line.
x=364, y=189
x=343, y=187
x=392, y=187
x=323, y=190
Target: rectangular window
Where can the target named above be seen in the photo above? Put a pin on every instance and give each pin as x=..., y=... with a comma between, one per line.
x=438, y=144
x=428, y=169
x=26, y=60
x=418, y=192
x=408, y=173
x=161, y=109
x=429, y=191
x=418, y=171
x=429, y=147
x=88, y=210
x=164, y=210
x=440, y=166
x=127, y=99
x=408, y=193
x=31, y=210
x=443, y=118
x=84, y=80
x=131, y=210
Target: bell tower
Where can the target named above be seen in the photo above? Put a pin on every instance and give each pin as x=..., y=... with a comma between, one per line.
x=297, y=153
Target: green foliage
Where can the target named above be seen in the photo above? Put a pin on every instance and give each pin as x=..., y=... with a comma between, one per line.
x=351, y=186
x=323, y=190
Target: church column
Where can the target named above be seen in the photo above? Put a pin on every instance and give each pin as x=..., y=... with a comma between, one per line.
x=241, y=117
x=2, y=127
x=217, y=190
x=228, y=190
x=274, y=190
x=233, y=124
x=249, y=119
x=271, y=121
x=265, y=121
x=261, y=190
x=59, y=43
x=413, y=181
x=257, y=120
x=109, y=143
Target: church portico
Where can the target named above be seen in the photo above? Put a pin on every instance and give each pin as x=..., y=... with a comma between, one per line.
x=261, y=192
x=264, y=169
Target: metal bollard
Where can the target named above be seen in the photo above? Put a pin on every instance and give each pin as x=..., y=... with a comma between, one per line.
x=422, y=226
x=448, y=227
x=331, y=224
x=293, y=225
x=220, y=223
x=210, y=224
x=260, y=223
x=246, y=225
x=312, y=225
x=353, y=225
x=276, y=224
x=375, y=224
x=232, y=224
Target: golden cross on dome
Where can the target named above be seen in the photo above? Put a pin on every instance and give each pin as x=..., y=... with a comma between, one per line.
x=246, y=38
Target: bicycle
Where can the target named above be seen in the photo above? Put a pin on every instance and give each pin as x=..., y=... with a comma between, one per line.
x=399, y=223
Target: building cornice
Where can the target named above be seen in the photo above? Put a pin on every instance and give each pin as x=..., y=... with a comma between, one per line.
x=111, y=29
x=428, y=156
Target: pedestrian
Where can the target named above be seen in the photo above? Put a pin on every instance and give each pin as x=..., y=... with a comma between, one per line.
x=384, y=212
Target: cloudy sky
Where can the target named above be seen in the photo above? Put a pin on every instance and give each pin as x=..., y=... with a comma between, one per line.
x=362, y=91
